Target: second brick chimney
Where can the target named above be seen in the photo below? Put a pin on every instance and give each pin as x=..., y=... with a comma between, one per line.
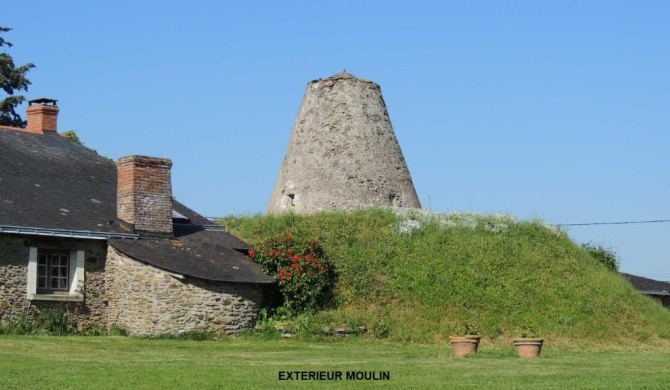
x=144, y=193
x=42, y=116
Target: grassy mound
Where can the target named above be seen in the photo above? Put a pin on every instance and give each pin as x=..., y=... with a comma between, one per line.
x=419, y=277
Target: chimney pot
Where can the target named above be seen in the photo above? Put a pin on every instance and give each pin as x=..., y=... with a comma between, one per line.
x=42, y=115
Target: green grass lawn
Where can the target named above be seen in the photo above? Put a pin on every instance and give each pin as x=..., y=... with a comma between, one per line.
x=37, y=362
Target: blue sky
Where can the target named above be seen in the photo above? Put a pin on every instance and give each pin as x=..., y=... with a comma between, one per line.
x=541, y=109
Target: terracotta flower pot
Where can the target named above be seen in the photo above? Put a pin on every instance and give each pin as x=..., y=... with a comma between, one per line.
x=466, y=345
x=528, y=348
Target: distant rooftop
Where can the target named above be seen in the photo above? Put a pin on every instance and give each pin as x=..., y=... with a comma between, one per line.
x=648, y=286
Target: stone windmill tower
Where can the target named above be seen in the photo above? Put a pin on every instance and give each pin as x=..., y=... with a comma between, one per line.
x=343, y=153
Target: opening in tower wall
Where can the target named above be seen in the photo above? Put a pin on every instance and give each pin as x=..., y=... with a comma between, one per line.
x=288, y=200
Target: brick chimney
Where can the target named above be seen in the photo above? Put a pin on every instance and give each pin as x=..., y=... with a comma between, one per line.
x=144, y=193
x=42, y=116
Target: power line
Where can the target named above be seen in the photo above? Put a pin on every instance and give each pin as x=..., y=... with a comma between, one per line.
x=574, y=224
x=613, y=223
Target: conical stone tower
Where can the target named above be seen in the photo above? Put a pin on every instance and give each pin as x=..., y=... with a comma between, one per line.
x=343, y=153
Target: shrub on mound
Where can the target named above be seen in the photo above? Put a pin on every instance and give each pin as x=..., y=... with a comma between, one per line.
x=303, y=271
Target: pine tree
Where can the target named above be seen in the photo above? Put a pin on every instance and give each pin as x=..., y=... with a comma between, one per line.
x=12, y=79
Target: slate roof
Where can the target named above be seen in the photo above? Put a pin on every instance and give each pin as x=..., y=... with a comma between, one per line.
x=648, y=286
x=200, y=254
x=49, y=182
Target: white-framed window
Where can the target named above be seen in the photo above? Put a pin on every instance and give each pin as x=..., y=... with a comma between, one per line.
x=55, y=274
x=52, y=270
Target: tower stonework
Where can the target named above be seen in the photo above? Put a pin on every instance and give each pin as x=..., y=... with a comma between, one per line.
x=343, y=153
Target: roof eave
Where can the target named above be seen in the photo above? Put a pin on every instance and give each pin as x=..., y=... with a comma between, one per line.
x=661, y=293
x=87, y=234
x=268, y=280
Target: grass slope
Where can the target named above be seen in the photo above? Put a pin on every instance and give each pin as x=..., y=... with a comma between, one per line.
x=424, y=286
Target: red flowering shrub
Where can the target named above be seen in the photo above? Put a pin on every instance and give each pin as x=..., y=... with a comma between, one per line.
x=305, y=276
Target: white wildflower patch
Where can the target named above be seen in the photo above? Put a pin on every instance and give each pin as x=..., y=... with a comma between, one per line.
x=407, y=226
x=413, y=220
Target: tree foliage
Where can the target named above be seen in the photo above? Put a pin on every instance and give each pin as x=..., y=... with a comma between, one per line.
x=12, y=79
x=72, y=136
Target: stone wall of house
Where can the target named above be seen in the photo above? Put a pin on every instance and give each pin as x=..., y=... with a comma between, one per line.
x=93, y=312
x=14, y=252
x=13, y=276
x=145, y=300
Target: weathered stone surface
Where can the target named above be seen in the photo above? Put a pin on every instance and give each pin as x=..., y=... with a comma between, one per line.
x=14, y=278
x=122, y=292
x=155, y=302
x=343, y=152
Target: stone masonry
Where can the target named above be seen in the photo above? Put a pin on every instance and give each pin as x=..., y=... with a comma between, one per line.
x=145, y=300
x=128, y=294
x=14, y=278
x=343, y=152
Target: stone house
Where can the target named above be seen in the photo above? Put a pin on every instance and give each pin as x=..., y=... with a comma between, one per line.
x=655, y=289
x=108, y=243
